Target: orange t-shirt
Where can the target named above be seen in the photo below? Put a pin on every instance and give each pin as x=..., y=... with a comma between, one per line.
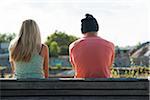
x=92, y=57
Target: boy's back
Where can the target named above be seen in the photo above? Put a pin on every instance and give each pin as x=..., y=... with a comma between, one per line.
x=92, y=57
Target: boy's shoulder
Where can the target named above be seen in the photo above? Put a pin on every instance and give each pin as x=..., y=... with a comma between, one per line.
x=75, y=43
x=108, y=43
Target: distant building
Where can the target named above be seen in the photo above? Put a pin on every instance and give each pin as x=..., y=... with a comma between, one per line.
x=61, y=61
x=4, y=54
x=122, y=58
x=141, y=55
x=4, y=47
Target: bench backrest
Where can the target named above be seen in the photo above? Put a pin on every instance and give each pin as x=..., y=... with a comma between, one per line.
x=75, y=89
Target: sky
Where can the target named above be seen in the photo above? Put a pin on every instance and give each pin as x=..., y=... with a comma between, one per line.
x=123, y=22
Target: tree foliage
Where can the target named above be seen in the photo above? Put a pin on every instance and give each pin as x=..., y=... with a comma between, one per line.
x=63, y=41
x=7, y=37
x=54, y=49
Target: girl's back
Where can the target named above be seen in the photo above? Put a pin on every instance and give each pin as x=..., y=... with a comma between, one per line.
x=31, y=69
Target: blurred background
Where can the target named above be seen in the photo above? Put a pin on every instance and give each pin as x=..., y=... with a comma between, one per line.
x=123, y=22
x=130, y=61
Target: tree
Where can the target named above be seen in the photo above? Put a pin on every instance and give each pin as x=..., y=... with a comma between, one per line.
x=62, y=39
x=54, y=49
x=7, y=37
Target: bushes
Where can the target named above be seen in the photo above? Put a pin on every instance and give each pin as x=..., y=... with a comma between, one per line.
x=132, y=72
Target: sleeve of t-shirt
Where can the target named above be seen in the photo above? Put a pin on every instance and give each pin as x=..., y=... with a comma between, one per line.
x=113, y=55
x=71, y=47
x=70, y=55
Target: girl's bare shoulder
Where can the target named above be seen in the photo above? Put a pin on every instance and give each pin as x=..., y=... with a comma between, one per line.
x=44, y=50
x=45, y=47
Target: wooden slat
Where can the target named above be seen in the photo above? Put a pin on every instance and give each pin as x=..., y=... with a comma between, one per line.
x=72, y=92
x=78, y=98
x=74, y=85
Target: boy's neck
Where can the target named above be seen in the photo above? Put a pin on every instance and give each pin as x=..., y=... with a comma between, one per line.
x=90, y=34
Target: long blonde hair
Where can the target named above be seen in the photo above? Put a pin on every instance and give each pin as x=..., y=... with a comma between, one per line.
x=27, y=43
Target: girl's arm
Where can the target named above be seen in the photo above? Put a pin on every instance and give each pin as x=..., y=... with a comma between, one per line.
x=46, y=61
x=12, y=69
x=11, y=63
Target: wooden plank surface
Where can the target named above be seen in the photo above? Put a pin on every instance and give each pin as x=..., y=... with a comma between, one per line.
x=71, y=92
x=73, y=85
x=77, y=98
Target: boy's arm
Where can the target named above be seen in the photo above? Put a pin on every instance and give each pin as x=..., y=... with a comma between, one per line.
x=70, y=56
x=112, y=58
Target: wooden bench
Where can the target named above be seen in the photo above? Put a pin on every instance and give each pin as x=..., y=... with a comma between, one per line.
x=74, y=89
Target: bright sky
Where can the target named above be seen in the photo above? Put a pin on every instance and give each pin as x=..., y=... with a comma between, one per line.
x=124, y=22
